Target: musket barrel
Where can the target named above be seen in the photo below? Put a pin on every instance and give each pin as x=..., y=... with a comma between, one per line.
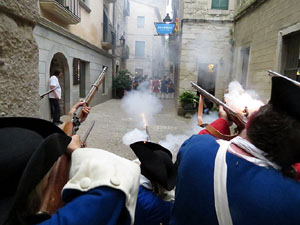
x=95, y=86
x=88, y=99
x=275, y=74
x=240, y=122
x=210, y=96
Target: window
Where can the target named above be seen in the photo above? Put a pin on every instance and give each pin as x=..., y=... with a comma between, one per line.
x=79, y=68
x=139, y=49
x=140, y=21
x=76, y=71
x=290, y=55
x=219, y=4
x=245, y=52
x=82, y=90
x=105, y=26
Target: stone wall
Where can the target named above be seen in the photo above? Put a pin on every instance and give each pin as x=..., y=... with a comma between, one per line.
x=19, y=80
x=261, y=29
x=51, y=40
x=206, y=38
x=205, y=42
x=201, y=9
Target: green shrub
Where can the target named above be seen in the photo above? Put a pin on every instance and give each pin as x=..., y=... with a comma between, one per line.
x=122, y=80
x=187, y=97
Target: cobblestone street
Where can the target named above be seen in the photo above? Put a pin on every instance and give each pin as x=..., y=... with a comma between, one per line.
x=112, y=123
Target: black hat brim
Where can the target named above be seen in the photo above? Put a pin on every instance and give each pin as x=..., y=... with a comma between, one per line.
x=52, y=146
x=156, y=163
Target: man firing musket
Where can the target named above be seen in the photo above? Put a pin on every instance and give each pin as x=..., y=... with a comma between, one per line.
x=237, y=118
x=260, y=160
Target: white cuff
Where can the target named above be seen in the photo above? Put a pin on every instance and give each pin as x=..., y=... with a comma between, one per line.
x=91, y=168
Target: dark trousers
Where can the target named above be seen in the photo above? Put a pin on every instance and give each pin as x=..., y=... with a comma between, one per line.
x=55, y=109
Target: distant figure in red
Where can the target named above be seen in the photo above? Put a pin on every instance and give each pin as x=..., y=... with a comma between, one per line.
x=155, y=85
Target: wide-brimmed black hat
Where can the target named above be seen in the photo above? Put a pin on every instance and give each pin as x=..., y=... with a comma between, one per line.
x=285, y=96
x=28, y=149
x=156, y=163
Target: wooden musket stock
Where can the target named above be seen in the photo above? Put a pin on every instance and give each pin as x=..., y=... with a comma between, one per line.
x=59, y=173
x=232, y=115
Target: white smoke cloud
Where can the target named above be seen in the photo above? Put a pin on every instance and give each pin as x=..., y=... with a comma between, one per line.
x=134, y=136
x=141, y=101
x=237, y=98
x=173, y=142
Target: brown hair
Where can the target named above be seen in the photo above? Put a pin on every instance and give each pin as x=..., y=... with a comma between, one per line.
x=277, y=134
x=25, y=210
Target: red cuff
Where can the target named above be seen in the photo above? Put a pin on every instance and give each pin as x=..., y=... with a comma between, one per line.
x=220, y=125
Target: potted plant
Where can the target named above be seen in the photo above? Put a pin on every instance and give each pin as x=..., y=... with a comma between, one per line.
x=122, y=82
x=188, y=101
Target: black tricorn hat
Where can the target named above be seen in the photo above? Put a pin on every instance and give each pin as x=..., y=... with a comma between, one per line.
x=29, y=147
x=285, y=96
x=156, y=163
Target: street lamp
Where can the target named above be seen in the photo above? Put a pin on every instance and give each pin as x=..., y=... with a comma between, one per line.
x=122, y=40
x=167, y=19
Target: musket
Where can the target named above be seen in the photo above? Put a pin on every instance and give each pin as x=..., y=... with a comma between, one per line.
x=47, y=92
x=232, y=114
x=275, y=74
x=59, y=173
x=86, y=134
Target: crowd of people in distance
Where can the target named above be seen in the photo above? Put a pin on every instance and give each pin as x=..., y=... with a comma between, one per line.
x=163, y=88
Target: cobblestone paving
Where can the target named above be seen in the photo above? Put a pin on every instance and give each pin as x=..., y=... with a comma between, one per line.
x=112, y=123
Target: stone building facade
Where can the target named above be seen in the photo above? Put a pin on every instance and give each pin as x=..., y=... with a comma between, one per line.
x=267, y=37
x=147, y=51
x=121, y=50
x=19, y=79
x=205, y=51
x=76, y=37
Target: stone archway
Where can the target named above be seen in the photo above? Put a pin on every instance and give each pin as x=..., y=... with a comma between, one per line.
x=59, y=62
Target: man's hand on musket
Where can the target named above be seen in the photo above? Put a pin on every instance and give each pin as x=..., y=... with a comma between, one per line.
x=74, y=144
x=222, y=114
x=85, y=110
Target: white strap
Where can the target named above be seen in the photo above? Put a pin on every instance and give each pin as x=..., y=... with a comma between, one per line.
x=220, y=190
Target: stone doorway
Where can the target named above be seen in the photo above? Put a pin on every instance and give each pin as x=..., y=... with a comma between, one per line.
x=59, y=62
x=207, y=76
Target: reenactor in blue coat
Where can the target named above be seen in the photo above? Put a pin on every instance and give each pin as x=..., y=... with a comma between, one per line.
x=101, y=190
x=250, y=179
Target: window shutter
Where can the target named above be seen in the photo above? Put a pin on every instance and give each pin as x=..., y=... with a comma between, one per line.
x=76, y=71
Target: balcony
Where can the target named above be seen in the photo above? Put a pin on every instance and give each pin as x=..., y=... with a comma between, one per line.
x=64, y=10
x=108, y=36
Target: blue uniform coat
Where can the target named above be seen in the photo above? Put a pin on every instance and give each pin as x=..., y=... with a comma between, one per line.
x=99, y=206
x=256, y=195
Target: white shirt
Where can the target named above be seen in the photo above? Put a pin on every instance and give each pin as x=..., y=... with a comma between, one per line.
x=53, y=81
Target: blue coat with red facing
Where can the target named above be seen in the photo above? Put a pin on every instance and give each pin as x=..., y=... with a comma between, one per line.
x=256, y=195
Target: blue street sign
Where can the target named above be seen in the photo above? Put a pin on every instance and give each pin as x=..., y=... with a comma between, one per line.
x=164, y=28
